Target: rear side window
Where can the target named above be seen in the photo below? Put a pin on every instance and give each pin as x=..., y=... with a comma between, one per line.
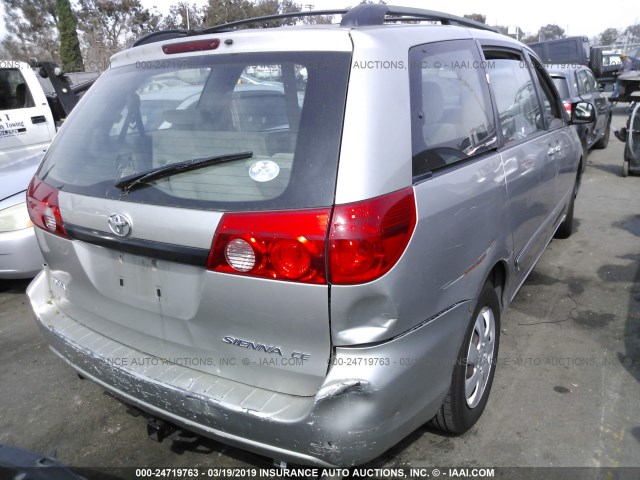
x=551, y=104
x=451, y=113
x=584, y=86
x=149, y=115
x=562, y=86
x=14, y=92
x=515, y=95
x=592, y=81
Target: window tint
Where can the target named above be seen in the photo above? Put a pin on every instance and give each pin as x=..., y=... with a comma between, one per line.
x=552, y=106
x=515, y=95
x=592, y=81
x=562, y=86
x=14, y=92
x=564, y=51
x=156, y=115
x=451, y=114
x=584, y=86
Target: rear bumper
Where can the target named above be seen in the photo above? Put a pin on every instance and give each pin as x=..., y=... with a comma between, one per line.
x=20, y=255
x=371, y=398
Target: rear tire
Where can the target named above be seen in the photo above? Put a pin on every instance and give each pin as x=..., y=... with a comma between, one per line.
x=474, y=369
x=625, y=168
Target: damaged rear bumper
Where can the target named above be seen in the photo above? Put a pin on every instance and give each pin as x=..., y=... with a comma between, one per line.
x=372, y=396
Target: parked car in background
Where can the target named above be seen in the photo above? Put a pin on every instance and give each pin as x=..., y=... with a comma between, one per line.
x=312, y=270
x=20, y=256
x=577, y=84
x=27, y=125
x=565, y=51
x=267, y=72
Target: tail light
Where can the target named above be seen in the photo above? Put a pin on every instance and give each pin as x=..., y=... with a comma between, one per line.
x=567, y=108
x=276, y=245
x=44, y=210
x=363, y=241
x=367, y=238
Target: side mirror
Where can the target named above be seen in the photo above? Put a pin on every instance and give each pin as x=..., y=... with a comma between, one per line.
x=582, y=112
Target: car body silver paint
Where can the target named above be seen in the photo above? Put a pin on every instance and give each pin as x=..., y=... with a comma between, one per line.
x=342, y=408
x=369, y=399
x=191, y=228
x=195, y=310
x=375, y=155
x=461, y=233
x=20, y=255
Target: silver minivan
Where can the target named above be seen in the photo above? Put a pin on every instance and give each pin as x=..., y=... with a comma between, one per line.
x=313, y=267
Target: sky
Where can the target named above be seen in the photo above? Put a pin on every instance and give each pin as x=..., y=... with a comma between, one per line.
x=590, y=20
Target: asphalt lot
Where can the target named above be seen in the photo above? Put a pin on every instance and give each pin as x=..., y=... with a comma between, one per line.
x=566, y=393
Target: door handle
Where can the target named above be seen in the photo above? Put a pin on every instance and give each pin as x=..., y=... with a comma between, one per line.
x=38, y=119
x=553, y=150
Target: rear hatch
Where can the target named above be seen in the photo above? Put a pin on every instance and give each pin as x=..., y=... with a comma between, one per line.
x=26, y=124
x=159, y=157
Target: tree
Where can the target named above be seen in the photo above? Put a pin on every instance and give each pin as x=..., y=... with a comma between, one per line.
x=70, y=55
x=30, y=29
x=550, y=32
x=501, y=29
x=225, y=11
x=478, y=17
x=109, y=26
x=184, y=13
x=609, y=37
x=633, y=33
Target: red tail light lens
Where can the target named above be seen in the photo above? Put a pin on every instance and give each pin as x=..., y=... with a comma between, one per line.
x=367, y=238
x=276, y=245
x=567, y=107
x=44, y=210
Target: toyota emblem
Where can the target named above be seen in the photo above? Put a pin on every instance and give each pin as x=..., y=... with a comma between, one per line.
x=120, y=224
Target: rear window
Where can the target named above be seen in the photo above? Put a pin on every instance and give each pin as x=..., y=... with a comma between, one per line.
x=149, y=115
x=14, y=92
x=564, y=52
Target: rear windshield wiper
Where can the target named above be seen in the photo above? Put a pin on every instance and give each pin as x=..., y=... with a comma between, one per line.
x=131, y=181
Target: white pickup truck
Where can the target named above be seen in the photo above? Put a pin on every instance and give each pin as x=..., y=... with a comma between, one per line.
x=29, y=119
x=27, y=125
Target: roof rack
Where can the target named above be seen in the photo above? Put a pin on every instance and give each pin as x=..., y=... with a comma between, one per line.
x=280, y=16
x=390, y=13
x=364, y=15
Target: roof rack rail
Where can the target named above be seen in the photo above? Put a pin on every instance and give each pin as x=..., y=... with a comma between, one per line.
x=279, y=16
x=378, y=14
x=360, y=16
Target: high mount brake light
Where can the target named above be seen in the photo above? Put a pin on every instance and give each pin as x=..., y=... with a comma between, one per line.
x=192, y=46
x=44, y=210
x=363, y=241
